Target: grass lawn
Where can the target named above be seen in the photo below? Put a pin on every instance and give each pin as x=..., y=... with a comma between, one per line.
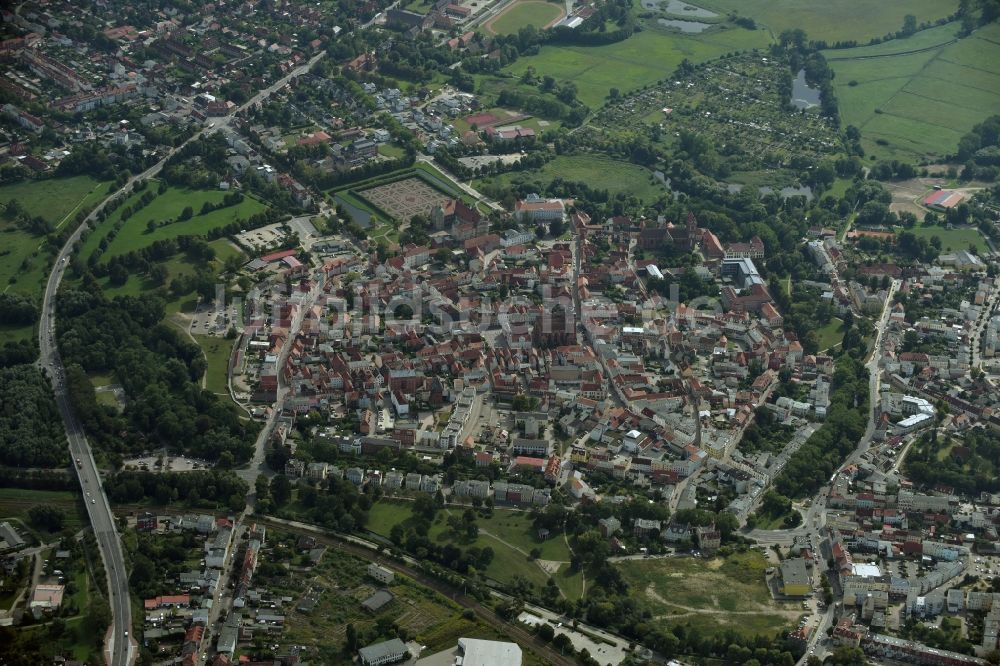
x=16, y=333
x=641, y=59
x=24, y=259
x=524, y=13
x=420, y=6
x=723, y=594
x=508, y=533
x=169, y=205
x=772, y=522
x=388, y=231
x=391, y=150
x=107, y=398
x=598, y=172
x=55, y=199
x=919, y=104
x=830, y=335
x=945, y=451
x=953, y=239
x=15, y=503
x=217, y=352
x=833, y=20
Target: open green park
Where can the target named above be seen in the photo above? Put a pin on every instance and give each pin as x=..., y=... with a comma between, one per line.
x=180, y=265
x=597, y=172
x=26, y=258
x=538, y=13
x=509, y=533
x=720, y=594
x=164, y=210
x=830, y=335
x=914, y=98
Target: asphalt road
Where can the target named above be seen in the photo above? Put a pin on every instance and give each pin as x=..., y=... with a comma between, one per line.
x=120, y=649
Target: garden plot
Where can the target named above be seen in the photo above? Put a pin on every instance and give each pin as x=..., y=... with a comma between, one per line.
x=404, y=198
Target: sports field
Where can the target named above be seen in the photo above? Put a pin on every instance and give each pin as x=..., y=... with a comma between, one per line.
x=643, y=58
x=835, y=20
x=915, y=98
x=598, y=172
x=523, y=13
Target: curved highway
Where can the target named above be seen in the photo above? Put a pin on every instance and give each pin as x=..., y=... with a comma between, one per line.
x=120, y=649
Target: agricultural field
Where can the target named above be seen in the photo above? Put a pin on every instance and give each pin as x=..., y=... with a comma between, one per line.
x=523, y=13
x=915, y=98
x=722, y=594
x=598, y=172
x=643, y=58
x=509, y=533
x=835, y=20
x=24, y=259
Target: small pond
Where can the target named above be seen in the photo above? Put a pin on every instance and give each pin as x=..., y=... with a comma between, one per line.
x=678, y=8
x=804, y=96
x=684, y=26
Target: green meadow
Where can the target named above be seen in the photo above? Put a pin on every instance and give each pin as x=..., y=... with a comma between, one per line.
x=598, y=172
x=643, y=58
x=522, y=14
x=915, y=98
x=25, y=259
x=835, y=20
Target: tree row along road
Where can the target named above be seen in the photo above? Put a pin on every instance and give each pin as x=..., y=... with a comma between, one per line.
x=522, y=636
x=120, y=649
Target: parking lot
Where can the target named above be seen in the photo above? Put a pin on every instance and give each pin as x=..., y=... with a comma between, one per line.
x=209, y=320
x=156, y=463
x=269, y=236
